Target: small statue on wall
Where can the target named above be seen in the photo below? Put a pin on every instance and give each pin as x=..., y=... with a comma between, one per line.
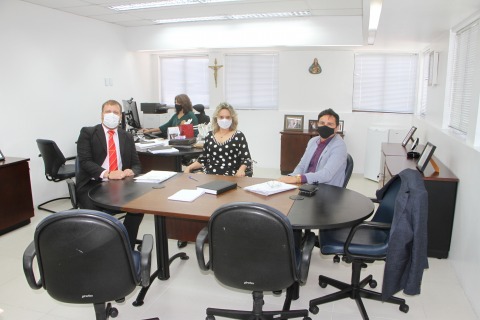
x=315, y=67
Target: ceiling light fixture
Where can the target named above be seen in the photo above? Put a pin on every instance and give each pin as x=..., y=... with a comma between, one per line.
x=374, y=19
x=164, y=3
x=238, y=17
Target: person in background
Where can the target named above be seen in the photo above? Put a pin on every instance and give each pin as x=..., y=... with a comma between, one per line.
x=106, y=152
x=325, y=157
x=183, y=113
x=225, y=151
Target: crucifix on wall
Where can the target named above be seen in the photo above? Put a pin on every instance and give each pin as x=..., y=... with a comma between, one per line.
x=215, y=71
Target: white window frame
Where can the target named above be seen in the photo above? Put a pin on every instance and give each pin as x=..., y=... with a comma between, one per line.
x=463, y=83
x=425, y=77
x=385, y=82
x=184, y=74
x=252, y=80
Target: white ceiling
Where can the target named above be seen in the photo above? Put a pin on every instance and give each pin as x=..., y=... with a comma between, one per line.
x=403, y=23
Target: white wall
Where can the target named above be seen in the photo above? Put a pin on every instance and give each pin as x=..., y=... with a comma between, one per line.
x=52, y=81
x=463, y=160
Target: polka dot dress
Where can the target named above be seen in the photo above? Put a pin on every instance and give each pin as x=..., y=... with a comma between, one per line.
x=225, y=158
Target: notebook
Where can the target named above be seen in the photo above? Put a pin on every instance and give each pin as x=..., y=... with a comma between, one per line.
x=155, y=176
x=217, y=186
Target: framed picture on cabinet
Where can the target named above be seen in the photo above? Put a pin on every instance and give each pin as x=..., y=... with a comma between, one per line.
x=340, y=126
x=2, y=157
x=425, y=156
x=293, y=123
x=312, y=125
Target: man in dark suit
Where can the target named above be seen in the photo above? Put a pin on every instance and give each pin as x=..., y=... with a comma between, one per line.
x=106, y=152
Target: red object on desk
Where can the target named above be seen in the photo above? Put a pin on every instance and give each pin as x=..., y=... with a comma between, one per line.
x=186, y=130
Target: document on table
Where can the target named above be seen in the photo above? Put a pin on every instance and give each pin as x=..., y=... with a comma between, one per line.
x=155, y=176
x=186, y=195
x=162, y=149
x=270, y=187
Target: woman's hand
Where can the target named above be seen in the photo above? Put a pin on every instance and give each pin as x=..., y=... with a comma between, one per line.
x=240, y=173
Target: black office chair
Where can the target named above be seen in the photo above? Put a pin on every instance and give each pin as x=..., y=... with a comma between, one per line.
x=251, y=247
x=72, y=191
x=56, y=168
x=84, y=256
x=201, y=116
x=348, y=170
x=369, y=241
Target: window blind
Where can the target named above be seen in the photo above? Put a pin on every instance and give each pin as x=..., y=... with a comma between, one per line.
x=464, y=62
x=251, y=81
x=187, y=75
x=384, y=82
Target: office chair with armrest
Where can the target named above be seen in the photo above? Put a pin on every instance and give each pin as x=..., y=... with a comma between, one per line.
x=56, y=168
x=397, y=234
x=84, y=256
x=201, y=116
x=251, y=247
x=72, y=190
x=348, y=170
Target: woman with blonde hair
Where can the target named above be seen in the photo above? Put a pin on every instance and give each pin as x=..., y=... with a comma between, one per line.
x=225, y=151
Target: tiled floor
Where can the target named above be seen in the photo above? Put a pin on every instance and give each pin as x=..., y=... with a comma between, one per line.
x=188, y=292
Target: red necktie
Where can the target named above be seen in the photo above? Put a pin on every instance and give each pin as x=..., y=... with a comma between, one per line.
x=112, y=152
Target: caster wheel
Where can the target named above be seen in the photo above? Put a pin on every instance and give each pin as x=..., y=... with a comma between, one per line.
x=184, y=258
x=336, y=259
x=372, y=283
x=314, y=309
x=322, y=284
x=307, y=318
x=210, y=318
x=404, y=308
x=113, y=312
x=181, y=244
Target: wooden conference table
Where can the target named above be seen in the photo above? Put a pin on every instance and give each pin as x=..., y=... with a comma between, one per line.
x=331, y=207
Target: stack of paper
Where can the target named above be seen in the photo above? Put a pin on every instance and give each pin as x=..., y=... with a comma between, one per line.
x=270, y=187
x=162, y=149
x=155, y=176
x=186, y=195
x=145, y=145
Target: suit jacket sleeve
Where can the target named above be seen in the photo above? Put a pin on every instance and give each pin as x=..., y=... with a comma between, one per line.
x=331, y=166
x=129, y=154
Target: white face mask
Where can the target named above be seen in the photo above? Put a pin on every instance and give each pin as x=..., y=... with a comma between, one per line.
x=224, y=123
x=111, y=120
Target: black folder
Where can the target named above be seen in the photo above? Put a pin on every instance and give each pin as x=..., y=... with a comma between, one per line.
x=217, y=186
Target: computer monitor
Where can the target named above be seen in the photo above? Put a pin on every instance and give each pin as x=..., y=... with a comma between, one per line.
x=131, y=114
x=153, y=107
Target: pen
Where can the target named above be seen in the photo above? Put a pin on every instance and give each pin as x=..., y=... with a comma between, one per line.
x=190, y=177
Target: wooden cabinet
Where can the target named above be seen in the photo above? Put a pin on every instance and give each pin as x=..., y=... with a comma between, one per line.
x=292, y=148
x=442, y=193
x=16, y=204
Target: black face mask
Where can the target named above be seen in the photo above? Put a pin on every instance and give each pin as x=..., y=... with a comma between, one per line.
x=178, y=107
x=325, y=131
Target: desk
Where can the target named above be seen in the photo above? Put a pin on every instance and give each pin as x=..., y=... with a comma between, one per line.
x=351, y=207
x=165, y=161
x=16, y=204
x=442, y=194
x=179, y=229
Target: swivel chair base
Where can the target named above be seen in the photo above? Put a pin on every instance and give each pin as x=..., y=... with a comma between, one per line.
x=40, y=206
x=354, y=290
x=257, y=313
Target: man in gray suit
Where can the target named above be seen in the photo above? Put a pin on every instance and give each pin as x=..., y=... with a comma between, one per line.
x=106, y=152
x=325, y=157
